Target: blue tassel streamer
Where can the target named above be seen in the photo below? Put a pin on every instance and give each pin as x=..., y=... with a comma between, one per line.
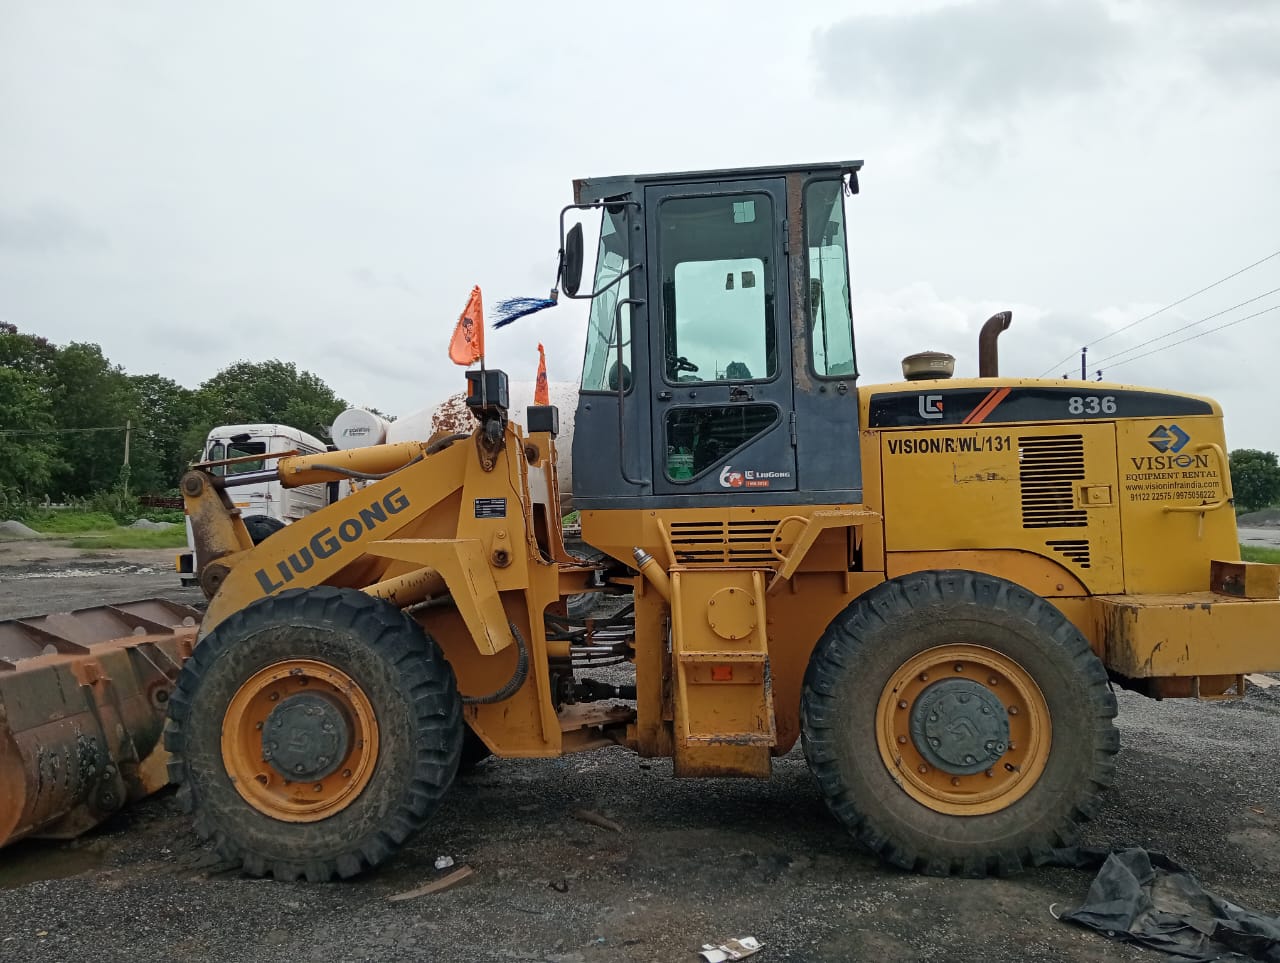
x=513, y=308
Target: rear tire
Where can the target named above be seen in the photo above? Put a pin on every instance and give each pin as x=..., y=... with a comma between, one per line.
x=290, y=666
x=901, y=712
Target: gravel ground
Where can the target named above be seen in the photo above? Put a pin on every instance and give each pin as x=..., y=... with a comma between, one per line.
x=696, y=860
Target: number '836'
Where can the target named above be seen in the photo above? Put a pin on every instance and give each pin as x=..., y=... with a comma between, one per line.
x=1092, y=405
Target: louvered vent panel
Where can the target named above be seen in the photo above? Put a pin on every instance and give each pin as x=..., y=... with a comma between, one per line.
x=1074, y=549
x=723, y=543
x=1050, y=466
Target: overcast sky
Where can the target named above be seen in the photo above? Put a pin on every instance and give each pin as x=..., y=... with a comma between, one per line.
x=191, y=184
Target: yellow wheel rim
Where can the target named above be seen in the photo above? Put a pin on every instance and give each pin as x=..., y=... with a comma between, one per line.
x=300, y=740
x=912, y=711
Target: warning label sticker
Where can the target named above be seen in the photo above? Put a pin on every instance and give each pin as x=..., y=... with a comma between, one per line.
x=491, y=508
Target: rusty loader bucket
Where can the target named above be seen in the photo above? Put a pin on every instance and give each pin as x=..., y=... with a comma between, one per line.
x=82, y=706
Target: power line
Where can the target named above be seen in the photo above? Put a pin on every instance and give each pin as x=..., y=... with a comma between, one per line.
x=1274, y=307
x=1169, y=334
x=1174, y=304
x=56, y=431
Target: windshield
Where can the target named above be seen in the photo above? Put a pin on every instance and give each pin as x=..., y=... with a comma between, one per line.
x=599, y=367
x=219, y=451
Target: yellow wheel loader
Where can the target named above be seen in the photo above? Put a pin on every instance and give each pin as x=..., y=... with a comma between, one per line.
x=931, y=584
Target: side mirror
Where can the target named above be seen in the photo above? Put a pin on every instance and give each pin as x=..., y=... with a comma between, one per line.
x=571, y=261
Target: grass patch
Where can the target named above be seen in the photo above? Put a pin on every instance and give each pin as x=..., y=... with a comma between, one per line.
x=1254, y=553
x=175, y=537
x=70, y=522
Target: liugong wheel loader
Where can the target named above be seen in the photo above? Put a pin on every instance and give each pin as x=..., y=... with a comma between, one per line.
x=931, y=584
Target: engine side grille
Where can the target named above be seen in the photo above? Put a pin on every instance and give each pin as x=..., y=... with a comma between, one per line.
x=1049, y=466
x=723, y=543
x=1075, y=549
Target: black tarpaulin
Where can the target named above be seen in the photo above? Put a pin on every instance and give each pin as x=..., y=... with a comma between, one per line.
x=1148, y=899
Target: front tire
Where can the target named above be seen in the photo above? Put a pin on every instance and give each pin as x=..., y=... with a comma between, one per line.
x=958, y=724
x=313, y=732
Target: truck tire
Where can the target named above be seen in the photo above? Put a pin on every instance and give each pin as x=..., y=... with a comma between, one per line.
x=583, y=605
x=313, y=732
x=262, y=527
x=958, y=724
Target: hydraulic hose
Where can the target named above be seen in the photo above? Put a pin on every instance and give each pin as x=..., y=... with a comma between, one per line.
x=514, y=683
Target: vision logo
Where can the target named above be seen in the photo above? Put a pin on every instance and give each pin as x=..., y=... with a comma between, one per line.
x=931, y=407
x=1169, y=440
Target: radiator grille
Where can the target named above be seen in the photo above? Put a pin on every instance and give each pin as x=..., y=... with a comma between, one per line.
x=1049, y=467
x=715, y=542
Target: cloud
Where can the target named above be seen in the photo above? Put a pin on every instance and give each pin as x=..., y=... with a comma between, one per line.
x=1245, y=50
x=979, y=57
x=373, y=280
x=45, y=228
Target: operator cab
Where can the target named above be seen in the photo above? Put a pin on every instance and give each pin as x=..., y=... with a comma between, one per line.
x=719, y=362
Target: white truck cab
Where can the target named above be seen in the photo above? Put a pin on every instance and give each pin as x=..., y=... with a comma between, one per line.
x=267, y=506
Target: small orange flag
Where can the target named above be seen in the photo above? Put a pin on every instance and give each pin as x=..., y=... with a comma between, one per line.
x=467, y=345
x=541, y=393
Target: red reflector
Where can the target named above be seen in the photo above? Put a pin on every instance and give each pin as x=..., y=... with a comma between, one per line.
x=722, y=673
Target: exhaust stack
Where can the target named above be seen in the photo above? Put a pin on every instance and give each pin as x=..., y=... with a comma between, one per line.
x=988, y=351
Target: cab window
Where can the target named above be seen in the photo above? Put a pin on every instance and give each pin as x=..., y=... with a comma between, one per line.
x=830, y=324
x=717, y=263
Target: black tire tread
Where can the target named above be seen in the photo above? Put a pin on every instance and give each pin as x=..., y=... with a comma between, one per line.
x=433, y=700
x=839, y=652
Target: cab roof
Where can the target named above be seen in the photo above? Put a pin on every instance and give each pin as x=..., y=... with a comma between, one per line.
x=587, y=190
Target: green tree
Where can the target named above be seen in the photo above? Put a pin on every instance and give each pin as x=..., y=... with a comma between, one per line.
x=1255, y=479
x=28, y=447
x=163, y=412
x=274, y=391
x=92, y=401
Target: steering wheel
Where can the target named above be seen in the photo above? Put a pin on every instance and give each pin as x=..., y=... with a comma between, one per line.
x=683, y=364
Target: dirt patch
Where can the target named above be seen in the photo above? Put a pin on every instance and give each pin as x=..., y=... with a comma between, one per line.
x=38, y=577
x=697, y=861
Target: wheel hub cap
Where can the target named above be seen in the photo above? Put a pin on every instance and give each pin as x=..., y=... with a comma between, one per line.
x=306, y=737
x=960, y=726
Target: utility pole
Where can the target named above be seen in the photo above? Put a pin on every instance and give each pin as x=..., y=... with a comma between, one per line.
x=1084, y=373
x=128, y=434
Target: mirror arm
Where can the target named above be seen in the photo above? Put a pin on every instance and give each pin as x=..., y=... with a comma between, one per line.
x=631, y=206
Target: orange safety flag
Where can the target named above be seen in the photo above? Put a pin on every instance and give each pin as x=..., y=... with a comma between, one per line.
x=467, y=345
x=541, y=393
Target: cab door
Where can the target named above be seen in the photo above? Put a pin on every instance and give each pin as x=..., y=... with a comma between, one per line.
x=719, y=335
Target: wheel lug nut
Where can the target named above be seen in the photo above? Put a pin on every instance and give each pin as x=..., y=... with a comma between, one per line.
x=922, y=769
x=902, y=703
x=274, y=697
x=261, y=778
x=993, y=681
x=990, y=773
x=902, y=740
x=959, y=667
x=346, y=774
x=258, y=726
x=924, y=676
x=1013, y=710
x=318, y=788
x=955, y=780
